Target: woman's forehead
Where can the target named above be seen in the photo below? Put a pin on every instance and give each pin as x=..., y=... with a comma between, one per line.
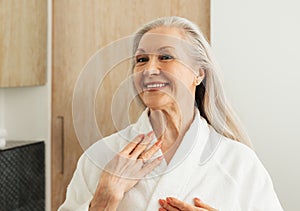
x=158, y=42
x=156, y=49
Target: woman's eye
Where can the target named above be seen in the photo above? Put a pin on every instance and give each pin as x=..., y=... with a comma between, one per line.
x=141, y=59
x=166, y=57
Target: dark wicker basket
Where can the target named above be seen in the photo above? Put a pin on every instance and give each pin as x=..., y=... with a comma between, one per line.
x=22, y=177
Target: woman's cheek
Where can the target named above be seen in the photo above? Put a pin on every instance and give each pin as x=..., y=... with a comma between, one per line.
x=137, y=82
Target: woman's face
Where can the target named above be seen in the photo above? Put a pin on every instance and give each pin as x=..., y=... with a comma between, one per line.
x=163, y=72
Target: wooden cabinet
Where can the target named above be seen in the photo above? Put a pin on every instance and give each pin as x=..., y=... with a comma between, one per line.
x=23, y=42
x=80, y=28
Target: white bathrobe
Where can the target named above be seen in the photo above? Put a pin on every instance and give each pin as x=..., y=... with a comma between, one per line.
x=225, y=174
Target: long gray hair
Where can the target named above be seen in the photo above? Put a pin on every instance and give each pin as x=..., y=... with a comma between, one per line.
x=209, y=96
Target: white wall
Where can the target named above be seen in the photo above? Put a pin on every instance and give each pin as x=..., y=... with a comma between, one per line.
x=257, y=45
x=25, y=112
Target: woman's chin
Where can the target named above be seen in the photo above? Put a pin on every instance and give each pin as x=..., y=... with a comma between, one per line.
x=157, y=104
x=155, y=107
x=156, y=100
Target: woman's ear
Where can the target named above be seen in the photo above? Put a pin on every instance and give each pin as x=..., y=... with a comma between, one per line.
x=199, y=78
x=201, y=73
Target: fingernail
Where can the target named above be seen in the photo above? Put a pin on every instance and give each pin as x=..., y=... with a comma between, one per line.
x=161, y=157
x=169, y=199
x=197, y=199
x=150, y=134
x=158, y=143
x=161, y=202
x=141, y=136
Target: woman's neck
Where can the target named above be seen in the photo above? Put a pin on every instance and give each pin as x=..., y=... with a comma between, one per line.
x=170, y=124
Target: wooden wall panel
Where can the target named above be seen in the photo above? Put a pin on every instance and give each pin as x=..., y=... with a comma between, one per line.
x=80, y=28
x=23, y=42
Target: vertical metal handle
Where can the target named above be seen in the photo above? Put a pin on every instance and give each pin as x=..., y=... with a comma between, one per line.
x=62, y=143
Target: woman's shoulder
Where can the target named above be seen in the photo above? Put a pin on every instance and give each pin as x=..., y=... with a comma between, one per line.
x=226, y=150
x=238, y=160
x=235, y=150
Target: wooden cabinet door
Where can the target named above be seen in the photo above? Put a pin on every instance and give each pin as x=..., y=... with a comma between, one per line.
x=23, y=42
x=80, y=28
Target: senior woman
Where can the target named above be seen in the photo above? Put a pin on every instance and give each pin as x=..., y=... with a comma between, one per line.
x=187, y=150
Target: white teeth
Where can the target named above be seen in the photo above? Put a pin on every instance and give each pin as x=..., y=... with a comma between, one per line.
x=156, y=85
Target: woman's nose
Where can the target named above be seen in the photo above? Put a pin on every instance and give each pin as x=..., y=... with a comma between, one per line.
x=152, y=67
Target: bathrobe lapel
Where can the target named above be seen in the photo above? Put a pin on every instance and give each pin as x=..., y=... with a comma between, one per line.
x=187, y=157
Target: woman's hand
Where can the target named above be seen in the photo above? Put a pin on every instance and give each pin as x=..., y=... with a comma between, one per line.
x=173, y=204
x=124, y=171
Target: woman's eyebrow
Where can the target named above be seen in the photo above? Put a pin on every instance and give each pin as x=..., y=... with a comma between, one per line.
x=141, y=50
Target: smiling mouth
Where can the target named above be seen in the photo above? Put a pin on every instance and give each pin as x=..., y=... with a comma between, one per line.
x=154, y=86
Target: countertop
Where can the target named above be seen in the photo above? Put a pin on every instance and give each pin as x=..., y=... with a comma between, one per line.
x=13, y=144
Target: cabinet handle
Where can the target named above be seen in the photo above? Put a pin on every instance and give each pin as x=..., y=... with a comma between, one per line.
x=62, y=143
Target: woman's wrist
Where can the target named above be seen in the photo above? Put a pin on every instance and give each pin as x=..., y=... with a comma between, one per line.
x=108, y=203
x=109, y=207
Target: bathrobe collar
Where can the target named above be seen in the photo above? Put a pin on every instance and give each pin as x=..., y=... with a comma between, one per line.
x=199, y=142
